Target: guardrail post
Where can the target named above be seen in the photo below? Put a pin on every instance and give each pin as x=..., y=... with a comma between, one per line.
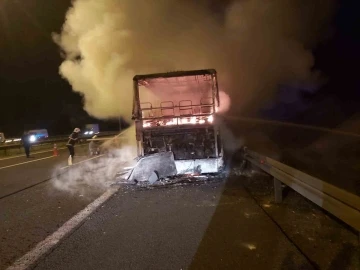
x=278, y=191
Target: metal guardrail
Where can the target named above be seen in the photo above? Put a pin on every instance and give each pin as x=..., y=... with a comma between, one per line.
x=338, y=202
x=55, y=139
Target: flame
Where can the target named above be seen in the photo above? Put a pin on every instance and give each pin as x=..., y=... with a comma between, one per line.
x=184, y=121
x=179, y=121
x=172, y=122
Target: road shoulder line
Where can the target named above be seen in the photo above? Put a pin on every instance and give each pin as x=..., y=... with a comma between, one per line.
x=18, y=164
x=42, y=249
x=32, y=153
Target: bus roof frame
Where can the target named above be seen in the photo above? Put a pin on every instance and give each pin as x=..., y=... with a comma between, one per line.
x=174, y=74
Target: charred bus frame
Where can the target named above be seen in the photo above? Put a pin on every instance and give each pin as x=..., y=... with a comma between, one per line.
x=175, y=111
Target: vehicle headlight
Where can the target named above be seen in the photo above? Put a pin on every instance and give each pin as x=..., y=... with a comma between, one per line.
x=32, y=138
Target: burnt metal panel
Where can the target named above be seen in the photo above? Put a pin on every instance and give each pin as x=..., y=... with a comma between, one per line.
x=175, y=74
x=163, y=164
x=136, y=102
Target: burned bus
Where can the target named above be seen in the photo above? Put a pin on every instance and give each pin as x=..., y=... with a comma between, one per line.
x=174, y=113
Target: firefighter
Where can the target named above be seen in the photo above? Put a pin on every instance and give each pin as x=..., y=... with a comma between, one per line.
x=26, y=143
x=73, y=138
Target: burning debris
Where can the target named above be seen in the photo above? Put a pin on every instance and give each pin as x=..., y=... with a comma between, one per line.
x=175, y=180
x=159, y=169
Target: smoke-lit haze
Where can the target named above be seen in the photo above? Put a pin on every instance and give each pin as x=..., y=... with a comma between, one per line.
x=254, y=45
x=99, y=173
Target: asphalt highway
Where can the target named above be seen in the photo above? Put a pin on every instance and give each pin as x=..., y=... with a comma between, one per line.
x=31, y=207
x=207, y=226
x=217, y=224
x=226, y=223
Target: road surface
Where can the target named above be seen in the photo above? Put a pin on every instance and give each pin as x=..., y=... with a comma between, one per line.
x=30, y=207
x=181, y=227
x=223, y=224
x=212, y=225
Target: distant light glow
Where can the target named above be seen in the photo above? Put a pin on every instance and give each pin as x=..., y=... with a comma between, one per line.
x=249, y=246
x=210, y=119
x=16, y=140
x=8, y=141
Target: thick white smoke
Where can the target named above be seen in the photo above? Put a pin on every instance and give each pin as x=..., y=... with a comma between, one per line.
x=254, y=45
x=98, y=174
x=94, y=175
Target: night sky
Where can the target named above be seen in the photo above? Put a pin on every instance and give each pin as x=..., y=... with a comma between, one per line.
x=33, y=95
x=338, y=59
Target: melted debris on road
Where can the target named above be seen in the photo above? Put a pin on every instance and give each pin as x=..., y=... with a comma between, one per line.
x=177, y=180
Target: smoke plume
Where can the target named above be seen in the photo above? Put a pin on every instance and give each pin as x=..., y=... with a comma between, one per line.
x=97, y=174
x=253, y=44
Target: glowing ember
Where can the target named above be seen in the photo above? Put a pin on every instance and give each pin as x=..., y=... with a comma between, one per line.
x=171, y=123
x=185, y=121
x=179, y=121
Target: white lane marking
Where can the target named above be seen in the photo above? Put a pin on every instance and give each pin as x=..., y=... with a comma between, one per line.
x=33, y=153
x=51, y=242
x=81, y=162
x=18, y=164
x=42, y=152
